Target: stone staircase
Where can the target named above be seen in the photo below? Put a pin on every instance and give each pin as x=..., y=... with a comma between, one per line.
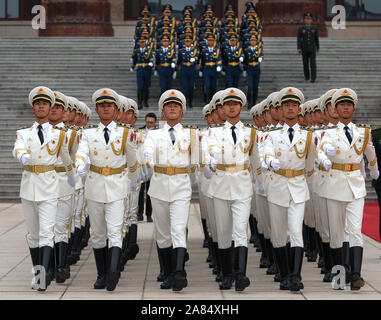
x=79, y=66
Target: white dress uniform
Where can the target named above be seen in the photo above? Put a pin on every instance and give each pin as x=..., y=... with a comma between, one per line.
x=38, y=149
x=231, y=188
x=172, y=152
x=345, y=184
x=288, y=190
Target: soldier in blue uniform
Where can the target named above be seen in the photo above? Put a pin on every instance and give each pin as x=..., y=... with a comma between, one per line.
x=211, y=64
x=187, y=59
x=166, y=64
x=142, y=60
x=253, y=59
x=232, y=58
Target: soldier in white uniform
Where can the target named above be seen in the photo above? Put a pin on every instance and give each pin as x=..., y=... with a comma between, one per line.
x=65, y=197
x=233, y=149
x=170, y=150
x=343, y=150
x=38, y=148
x=110, y=148
x=288, y=153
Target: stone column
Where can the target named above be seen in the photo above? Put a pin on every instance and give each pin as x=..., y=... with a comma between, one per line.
x=282, y=18
x=77, y=18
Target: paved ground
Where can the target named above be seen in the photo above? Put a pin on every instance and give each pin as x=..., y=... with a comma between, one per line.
x=138, y=281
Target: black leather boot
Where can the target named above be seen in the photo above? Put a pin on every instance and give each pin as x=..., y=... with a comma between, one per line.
x=211, y=258
x=264, y=261
x=206, y=235
x=113, y=270
x=320, y=251
x=52, y=266
x=161, y=276
x=73, y=257
x=284, y=270
x=241, y=280
x=337, y=259
x=86, y=236
x=132, y=247
x=122, y=255
x=347, y=263
x=327, y=262
x=356, y=254
x=60, y=253
x=34, y=254
x=219, y=275
x=101, y=263
x=252, y=230
x=45, y=260
x=257, y=244
x=140, y=100
x=295, y=277
x=166, y=256
x=180, y=276
x=272, y=269
x=312, y=256
x=227, y=268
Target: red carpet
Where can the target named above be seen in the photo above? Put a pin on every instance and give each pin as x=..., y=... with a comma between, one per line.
x=370, y=222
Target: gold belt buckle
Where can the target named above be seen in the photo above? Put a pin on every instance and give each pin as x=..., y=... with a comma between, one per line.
x=171, y=171
x=348, y=167
x=38, y=169
x=288, y=173
x=106, y=171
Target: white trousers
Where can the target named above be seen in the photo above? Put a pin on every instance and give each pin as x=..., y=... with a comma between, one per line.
x=309, y=215
x=132, y=217
x=232, y=217
x=63, y=218
x=323, y=215
x=170, y=220
x=287, y=222
x=263, y=216
x=211, y=218
x=342, y=215
x=78, y=209
x=316, y=203
x=253, y=206
x=40, y=218
x=106, y=220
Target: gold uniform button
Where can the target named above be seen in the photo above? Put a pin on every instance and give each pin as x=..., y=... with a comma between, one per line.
x=39, y=157
x=106, y=158
x=54, y=177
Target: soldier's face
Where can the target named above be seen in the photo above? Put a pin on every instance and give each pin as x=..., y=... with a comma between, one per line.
x=188, y=43
x=66, y=116
x=56, y=113
x=142, y=44
x=209, y=120
x=150, y=122
x=105, y=110
x=165, y=43
x=302, y=121
x=221, y=114
x=332, y=111
x=233, y=43
x=268, y=117
x=274, y=113
x=172, y=111
x=41, y=108
x=215, y=116
x=253, y=43
x=71, y=115
x=290, y=109
x=307, y=20
x=210, y=43
x=232, y=109
x=345, y=109
x=129, y=116
x=318, y=116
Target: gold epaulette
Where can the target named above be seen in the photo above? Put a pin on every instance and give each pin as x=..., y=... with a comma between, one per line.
x=251, y=125
x=272, y=129
x=309, y=129
x=124, y=125
x=364, y=126
x=190, y=126
x=90, y=126
x=60, y=128
x=154, y=128
x=328, y=127
x=25, y=127
x=217, y=125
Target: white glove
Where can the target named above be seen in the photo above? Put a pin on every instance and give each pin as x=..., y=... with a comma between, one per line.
x=148, y=155
x=261, y=188
x=131, y=69
x=150, y=64
x=71, y=181
x=375, y=174
x=260, y=60
x=240, y=59
x=173, y=65
x=208, y=174
x=275, y=164
x=131, y=60
x=244, y=73
x=223, y=73
x=219, y=68
x=81, y=170
x=327, y=164
x=25, y=159
x=133, y=186
x=192, y=60
x=174, y=75
x=200, y=74
x=155, y=73
x=264, y=166
x=330, y=151
x=194, y=181
x=213, y=163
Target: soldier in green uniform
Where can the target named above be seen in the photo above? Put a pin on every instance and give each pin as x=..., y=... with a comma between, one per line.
x=308, y=45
